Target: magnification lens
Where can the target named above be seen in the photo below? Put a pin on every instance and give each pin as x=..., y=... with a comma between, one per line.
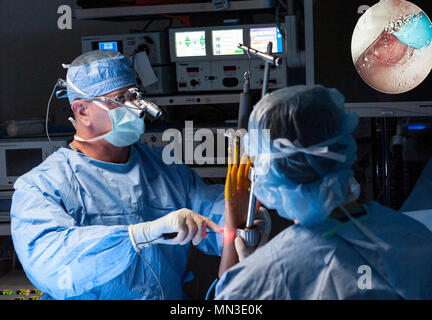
x=131, y=95
x=391, y=46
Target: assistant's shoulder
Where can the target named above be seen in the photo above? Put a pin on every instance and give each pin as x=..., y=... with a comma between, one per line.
x=54, y=170
x=285, y=256
x=263, y=268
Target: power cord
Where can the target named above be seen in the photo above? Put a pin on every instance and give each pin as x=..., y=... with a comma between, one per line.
x=149, y=266
x=166, y=237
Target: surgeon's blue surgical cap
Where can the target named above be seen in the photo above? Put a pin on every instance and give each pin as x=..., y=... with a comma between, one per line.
x=97, y=73
x=304, y=163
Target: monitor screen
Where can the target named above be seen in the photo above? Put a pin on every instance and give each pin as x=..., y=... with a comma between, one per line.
x=225, y=42
x=260, y=37
x=21, y=161
x=190, y=44
x=340, y=52
x=108, y=46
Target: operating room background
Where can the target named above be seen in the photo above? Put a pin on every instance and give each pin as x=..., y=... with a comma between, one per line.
x=31, y=54
x=386, y=172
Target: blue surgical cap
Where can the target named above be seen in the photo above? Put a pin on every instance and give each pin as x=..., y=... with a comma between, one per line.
x=97, y=73
x=300, y=185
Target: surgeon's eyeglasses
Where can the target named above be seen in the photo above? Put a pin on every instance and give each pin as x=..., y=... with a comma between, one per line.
x=124, y=97
x=117, y=101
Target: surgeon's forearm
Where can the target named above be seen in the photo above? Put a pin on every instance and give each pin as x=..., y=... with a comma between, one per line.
x=229, y=254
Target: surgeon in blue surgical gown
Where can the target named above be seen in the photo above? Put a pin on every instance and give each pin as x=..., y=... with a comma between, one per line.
x=90, y=221
x=337, y=249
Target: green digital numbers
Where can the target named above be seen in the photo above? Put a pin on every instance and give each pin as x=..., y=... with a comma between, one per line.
x=6, y=293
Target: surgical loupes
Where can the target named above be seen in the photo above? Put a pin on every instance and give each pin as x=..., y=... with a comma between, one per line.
x=145, y=106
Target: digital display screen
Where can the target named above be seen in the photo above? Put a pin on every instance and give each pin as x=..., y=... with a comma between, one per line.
x=190, y=44
x=21, y=161
x=108, y=46
x=260, y=37
x=225, y=42
x=341, y=49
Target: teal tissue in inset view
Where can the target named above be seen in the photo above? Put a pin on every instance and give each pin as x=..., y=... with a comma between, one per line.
x=417, y=33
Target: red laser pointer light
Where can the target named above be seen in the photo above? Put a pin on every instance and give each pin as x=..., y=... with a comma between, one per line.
x=229, y=236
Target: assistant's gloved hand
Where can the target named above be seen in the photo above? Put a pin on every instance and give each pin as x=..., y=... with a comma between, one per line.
x=189, y=225
x=263, y=224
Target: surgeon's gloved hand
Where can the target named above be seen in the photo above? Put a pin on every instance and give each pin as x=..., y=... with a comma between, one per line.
x=189, y=225
x=263, y=224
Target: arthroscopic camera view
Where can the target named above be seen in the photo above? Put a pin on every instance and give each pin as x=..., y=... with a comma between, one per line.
x=391, y=46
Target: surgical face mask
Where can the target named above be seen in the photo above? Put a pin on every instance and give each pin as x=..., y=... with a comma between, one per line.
x=127, y=126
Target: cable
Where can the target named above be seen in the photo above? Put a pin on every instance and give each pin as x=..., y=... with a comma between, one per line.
x=48, y=109
x=366, y=232
x=248, y=73
x=154, y=274
x=148, y=24
x=283, y=4
x=170, y=25
x=151, y=269
x=151, y=241
x=148, y=242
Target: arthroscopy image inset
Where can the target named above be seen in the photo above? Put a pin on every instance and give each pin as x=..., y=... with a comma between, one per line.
x=391, y=46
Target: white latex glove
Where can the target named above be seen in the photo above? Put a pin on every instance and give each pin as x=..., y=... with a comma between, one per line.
x=189, y=225
x=262, y=223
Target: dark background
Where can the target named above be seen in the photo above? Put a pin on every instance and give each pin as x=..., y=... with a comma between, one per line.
x=33, y=49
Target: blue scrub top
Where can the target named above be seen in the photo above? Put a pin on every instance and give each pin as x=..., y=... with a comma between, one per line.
x=337, y=261
x=70, y=218
x=420, y=197
x=419, y=203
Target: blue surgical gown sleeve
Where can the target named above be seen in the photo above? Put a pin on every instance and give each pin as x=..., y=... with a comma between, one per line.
x=209, y=201
x=54, y=250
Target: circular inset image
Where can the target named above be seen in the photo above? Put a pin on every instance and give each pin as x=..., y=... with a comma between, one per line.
x=391, y=46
